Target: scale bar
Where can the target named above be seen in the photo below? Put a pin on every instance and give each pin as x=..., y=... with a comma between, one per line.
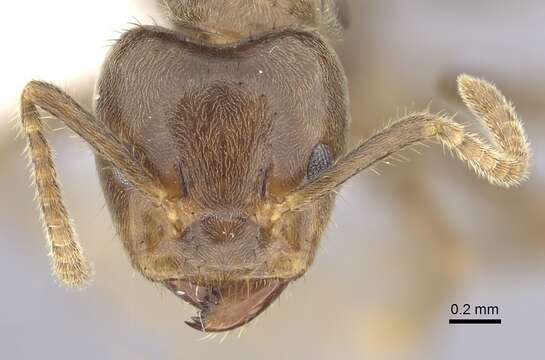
x=474, y=321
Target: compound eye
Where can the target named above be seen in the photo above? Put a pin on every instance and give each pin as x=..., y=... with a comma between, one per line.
x=320, y=159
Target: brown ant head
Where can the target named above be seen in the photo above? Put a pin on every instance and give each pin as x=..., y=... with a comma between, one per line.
x=228, y=138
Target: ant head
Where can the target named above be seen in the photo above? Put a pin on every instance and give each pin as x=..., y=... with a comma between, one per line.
x=228, y=138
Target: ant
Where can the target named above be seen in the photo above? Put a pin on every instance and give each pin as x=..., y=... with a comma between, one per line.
x=220, y=145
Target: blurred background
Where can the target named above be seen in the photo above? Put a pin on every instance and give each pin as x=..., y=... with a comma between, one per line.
x=401, y=249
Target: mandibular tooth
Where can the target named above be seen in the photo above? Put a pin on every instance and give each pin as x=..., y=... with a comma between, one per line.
x=180, y=292
x=194, y=325
x=197, y=291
